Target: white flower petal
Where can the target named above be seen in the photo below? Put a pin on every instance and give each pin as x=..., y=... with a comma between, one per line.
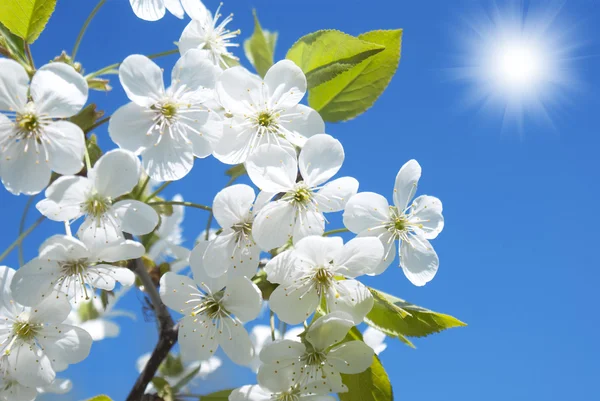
x=238, y=90
x=308, y=222
x=334, y=195
x=274, y=224
x=272, y=169
x=234, y=340
x=359, y=256
x=64, y=343
x=129, y=127
x=63, y=247
x=31, y=366
x=246, y=257
x=292, y=303
x=35, y=281
x=329, y=330
x=198, y=341
x=286, y=84
x=366, y=210
x=317, y=250
x=278, y=269
x=169, y=160
x=199, y=270
x=116, y=252
x=18, y=392
x=64, y=198
x=217, y=257
x=406, y=184
x=195, y=10
x=282, y=352
x=136, y=217
x=174, y=7
x=250, y=393
x=116, y=163
x=51, y=311
x=426, y=211
x=100, y=329
x=418, y=260
x=176, y=290
x=24, y=171
x=65, y=145
x=58, y=386
x=351, y=357
x=141, y=79
x=232, y=205
x=14, y=83
x=389, y=248
x=58, y=90
x=242, y=298
x=352, y=297
x=320, y=159
x=204, y=132
x=148, y=10
x=196, y=73
x=234, y=146
x=98, y=232
x=303, y=122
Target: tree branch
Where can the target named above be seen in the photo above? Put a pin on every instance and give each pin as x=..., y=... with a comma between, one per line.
x=167, y=333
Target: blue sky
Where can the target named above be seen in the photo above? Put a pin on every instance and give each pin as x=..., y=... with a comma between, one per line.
x=516, y=253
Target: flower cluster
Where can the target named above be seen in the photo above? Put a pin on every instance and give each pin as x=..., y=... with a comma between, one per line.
x=272, y=234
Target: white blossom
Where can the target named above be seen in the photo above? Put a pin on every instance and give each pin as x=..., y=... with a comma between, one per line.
x=233, y=251
x=153, y=10
x=205, y=33
x=66, y=266
x=12, y=390
x=299, y=211
x=95, y=197
x=168, y=127
x=264, y=111
x=375, y=339
x=35, y=138
x=35, y=340
x=311, y=271
x=169, y=238
x=260, y=335
x=214, y=311
x=322, y=357
x=412, y=224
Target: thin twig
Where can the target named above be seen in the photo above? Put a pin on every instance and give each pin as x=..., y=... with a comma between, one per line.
x=167, y=333
x=177, y=203
x=84, y=28
x=21, y=238
x=158, y=190
x=97, y=124
x=22, y=228
x=337, y=231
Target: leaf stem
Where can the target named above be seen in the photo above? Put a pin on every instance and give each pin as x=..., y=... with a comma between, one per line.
x=337, y=231
x=29, y=55
x=98, y=123
x=21, y=237
x=177, y=203
x=85, y=26
x=143, y=187
x=158, y=190
x=106, y=69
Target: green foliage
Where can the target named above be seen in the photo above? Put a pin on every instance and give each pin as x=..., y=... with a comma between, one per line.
x=398, y=318
x=163, y=389
x=354, y=91
x=100, y=398
x=222, y=395
x=87, y=117
x=236, y=171
x=26, y=18
x=11, y=45
x=185, y=380
x=259, y=48
x=325, y=54
x=371, y=385
x=93, y=149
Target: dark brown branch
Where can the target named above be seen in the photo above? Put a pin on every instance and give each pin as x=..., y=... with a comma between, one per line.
x=167, y=331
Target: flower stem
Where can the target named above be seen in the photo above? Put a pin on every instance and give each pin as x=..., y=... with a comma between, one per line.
x=22, y=228
x=339, y=230
x=98, y=123
x=21, y=238
x=29, y=56
x=108, y=68
x=85, y=26
x=177, y=203
x=143, y=188
x=88, y=161
x=158, y=190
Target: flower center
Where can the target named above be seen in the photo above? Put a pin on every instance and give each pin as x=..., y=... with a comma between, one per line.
x=323, y=279
x=27, y=122
x=168, y=110
x=292, y=394
x=96, y=205
x=302, y=195
x=315, y=358
x=74, y=267
x=243, y=229
x=264, y=119
x=210, y=306
x=26, y=331
x=400, y=224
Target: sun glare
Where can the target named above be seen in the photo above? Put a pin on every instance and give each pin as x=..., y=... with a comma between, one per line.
x=516, y=62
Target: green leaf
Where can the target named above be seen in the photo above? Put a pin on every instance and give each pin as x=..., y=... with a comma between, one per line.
x=398, y=318
x=93, y=149
x=222, y=395
x=236, y=171
x=163, y=389
x=100, y=398
x=354, y=91
x=14, y=45
x=259, y=48
x=87, y=117
x=185, y=380
x=371, y=385
x=26, y=18
x=325, y=54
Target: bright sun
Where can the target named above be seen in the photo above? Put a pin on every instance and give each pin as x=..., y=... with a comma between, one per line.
x=517, y=63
